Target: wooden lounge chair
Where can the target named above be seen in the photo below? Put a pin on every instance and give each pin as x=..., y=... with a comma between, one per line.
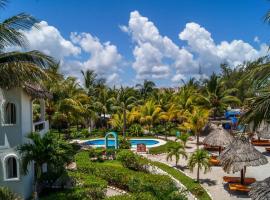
x=260, y=142
x=230, y=179
x=238, y=187
x=141, y=148
x=210, y=148
x=214, y=161
x=267, y=149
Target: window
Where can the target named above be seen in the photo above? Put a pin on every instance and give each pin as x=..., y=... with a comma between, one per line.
x=11, y=168
x=10, y=113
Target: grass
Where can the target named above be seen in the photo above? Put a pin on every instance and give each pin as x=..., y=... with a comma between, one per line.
x=160, y=149
x=195, y=188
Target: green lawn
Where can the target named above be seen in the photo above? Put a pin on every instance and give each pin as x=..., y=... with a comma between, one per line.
x=160, y=149
x=195, y=188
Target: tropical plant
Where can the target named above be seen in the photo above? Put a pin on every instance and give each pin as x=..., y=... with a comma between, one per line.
x=135, y=129
x=216, y=97
x=47, y=149
x=176, y=150
x=195, y=121
x=149, y=113
x=184, y=138
x=123, y=102
x=199, y=158
x=17, y=68
x=6, y=194
x=146, y=88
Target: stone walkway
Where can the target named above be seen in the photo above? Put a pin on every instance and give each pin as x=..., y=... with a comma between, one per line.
x=212, y=181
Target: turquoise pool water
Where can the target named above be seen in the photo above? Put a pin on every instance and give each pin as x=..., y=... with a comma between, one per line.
x=134, y=142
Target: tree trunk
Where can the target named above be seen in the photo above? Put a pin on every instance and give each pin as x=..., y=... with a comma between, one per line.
x=219, y=150
x=124, y=124
x=242, y=177
x=198, y=139
x=198, y=174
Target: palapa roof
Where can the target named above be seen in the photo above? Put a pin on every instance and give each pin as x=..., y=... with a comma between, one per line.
x=239, y=154
x=264, y=132
x=218, y=137
x=260, y=190
x=36, y=91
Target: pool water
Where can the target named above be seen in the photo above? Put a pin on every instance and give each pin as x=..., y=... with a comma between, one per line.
x=134, y=142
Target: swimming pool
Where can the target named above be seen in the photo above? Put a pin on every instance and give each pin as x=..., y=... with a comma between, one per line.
x=100, y=142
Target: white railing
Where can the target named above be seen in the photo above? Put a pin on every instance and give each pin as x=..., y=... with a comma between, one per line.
x=41, y=127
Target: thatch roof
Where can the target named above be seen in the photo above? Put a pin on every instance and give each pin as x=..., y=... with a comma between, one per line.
x=260, y=190
x=264, y=132
x=239, y=154
x=218, y=137
x=36, y=91
x=208, y=128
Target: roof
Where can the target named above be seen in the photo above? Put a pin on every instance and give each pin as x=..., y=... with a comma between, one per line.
x=37, y=91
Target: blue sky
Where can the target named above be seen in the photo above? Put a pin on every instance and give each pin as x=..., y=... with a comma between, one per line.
x=148, y=45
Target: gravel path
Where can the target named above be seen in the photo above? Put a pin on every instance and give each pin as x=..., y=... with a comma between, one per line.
x=212, y=181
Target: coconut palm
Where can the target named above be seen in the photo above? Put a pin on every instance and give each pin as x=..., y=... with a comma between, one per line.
x=17, y=68
x=41, y=150
x=195, y=121
x=123, y=102
x=199, y=158
x=176, y=150
x=216, y=97
x=146, y=88
x=149, y=113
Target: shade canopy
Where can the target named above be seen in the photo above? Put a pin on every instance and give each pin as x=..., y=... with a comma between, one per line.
x=260, y=190
x=263, y=132
x=240, y=154
x=218, y=137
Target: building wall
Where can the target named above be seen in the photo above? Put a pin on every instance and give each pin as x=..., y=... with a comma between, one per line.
x=16, y=136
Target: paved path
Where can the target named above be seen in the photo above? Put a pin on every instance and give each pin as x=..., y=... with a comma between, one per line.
x=212, y=181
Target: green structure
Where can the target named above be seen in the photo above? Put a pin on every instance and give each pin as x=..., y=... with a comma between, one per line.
x=115, y=135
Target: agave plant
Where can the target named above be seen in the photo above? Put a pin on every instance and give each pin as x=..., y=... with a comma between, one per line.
x=6, y=194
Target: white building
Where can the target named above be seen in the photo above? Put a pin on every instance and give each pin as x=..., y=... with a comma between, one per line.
x=16, y=122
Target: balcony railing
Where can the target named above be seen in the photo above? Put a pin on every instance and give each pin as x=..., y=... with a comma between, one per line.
x=41, y=127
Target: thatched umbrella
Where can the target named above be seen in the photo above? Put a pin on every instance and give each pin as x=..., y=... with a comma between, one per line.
x=260, y=190
x=263, y=132
x=218, y=137
x=239, y=155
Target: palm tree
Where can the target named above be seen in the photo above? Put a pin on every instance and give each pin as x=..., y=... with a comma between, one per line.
x=199, y=158
x=6, y=194
x=216, y=97
x=176, y=150
x=149, y=113
x=146, y=88
x=17, y=68
x=41, y=150
x=124, y=101
x=195, y=121
x=184, y=138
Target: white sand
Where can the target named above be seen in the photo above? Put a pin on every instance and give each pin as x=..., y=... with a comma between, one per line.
x=212, y=181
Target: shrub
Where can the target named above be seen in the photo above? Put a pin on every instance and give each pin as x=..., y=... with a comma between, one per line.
x=124, y=143
x=136, y=129
x=136, y=196
x=6, y=194
x=131, y=160
x=96, y=154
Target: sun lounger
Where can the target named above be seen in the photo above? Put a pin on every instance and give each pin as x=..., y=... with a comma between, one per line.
x=260, y=142
x=230, y=179
x=214, y=161
x=211, y=148
x=238, y=187
x=267, y=149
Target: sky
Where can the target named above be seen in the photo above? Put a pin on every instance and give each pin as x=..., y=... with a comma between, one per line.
x=128, y=41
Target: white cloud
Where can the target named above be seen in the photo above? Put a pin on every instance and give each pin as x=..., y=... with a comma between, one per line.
x=211, y=55
x=104, y=58
x=256, y=39
x=49, y=40
x=152, y=49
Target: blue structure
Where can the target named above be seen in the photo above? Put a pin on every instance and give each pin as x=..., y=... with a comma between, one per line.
x=115, y=135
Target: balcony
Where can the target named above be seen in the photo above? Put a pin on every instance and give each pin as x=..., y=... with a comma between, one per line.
x=41, y=127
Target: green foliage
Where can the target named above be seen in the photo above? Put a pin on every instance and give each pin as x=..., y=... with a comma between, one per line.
x=6, y=194
x=161, y=149
x=124, y=143
x=96, y=154
x=131, y=160
x=188, y=182
x=176, y=150
x=159, y=186
x=184, y=138
x=136, y=196
x=136, y=130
